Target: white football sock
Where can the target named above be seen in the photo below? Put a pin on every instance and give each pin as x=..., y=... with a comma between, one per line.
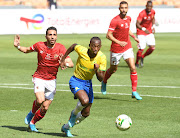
x=78, y=108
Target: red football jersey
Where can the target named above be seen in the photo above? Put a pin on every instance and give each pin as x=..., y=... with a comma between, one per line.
x=48, y=63
x=120, y=28
x=146, y=21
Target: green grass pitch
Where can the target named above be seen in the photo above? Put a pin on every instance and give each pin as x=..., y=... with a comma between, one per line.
x=156, y=116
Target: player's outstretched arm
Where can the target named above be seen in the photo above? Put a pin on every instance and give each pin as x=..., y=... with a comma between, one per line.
x=62, y=60
x=20, y=48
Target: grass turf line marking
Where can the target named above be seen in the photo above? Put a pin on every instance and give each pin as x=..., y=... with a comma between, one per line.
x=157, y=96
x=173, y=87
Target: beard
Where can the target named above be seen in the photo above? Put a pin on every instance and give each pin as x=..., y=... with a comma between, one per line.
x=123, y=13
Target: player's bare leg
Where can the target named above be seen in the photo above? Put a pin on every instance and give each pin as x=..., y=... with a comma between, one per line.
x=83, y=103
x=39, y=114
x=148, y=52
x=40, y=98
x=109, y=72
x=133, y=76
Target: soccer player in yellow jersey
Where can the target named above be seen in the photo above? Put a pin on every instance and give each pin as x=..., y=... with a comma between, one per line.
x=90, y=61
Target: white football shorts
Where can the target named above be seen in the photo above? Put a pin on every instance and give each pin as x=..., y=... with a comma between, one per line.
x=146, y=39
x=46, y=86
x=115, y=57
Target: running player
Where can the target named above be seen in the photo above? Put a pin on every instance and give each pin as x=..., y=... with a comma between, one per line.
x=145, y=28
x=118, y=33
x=90, y=61
x=44, y=78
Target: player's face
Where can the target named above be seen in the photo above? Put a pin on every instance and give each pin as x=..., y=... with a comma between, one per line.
x=149, y=7
x=95, y=46
x=123, y=9
x=51, y=37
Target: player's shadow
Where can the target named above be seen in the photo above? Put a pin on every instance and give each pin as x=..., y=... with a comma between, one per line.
x=25, y=129
x=123, y=66
x=16, y=128
x=108, y=98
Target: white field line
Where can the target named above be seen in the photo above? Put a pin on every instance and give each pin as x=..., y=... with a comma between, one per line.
x=19, y=84
x=158, y=96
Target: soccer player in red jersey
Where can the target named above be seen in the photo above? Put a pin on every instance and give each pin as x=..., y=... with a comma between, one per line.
x=145, y=32
x=44, y=79
x=118, y=33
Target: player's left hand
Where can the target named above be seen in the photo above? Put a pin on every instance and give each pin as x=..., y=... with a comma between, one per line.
x=96, y=67
x=62, y=62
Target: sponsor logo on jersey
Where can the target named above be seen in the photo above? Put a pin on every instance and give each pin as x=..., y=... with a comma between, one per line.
x=48, y=56
x=76, y=88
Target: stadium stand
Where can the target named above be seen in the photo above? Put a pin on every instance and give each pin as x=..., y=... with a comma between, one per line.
x=42, y=4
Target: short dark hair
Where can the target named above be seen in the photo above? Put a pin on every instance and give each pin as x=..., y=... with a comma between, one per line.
x=51, y=28
x=123, y=2
x=95, y=38
x=149, y=2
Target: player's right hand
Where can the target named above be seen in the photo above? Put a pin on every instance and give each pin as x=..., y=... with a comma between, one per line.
x=122, y=43
x=147, y=32
x=96, y=67
x=16, y=40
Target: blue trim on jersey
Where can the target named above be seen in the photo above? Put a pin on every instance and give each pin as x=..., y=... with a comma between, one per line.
x=76, y=84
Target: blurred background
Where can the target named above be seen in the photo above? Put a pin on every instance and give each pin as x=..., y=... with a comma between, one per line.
x=43, y=4
x=80, y=16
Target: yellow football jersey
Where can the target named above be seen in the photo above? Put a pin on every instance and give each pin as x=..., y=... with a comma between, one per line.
x=85, y=65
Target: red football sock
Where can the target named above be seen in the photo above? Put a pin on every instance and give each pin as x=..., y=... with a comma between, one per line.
x=107, y=76
x=38, y=116
x=148, y=52
x=134, y=80
x=139, y=55
x=35, y=107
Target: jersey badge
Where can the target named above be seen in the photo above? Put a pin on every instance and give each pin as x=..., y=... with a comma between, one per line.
x=55, y=56
x=149, y=18
x=126, y=25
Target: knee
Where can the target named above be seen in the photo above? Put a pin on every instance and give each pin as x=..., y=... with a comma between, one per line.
x=133, y=69
x=112, y=70
x=44, y=108
x=152, y=48
x=40, y=101
x=85, y=102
